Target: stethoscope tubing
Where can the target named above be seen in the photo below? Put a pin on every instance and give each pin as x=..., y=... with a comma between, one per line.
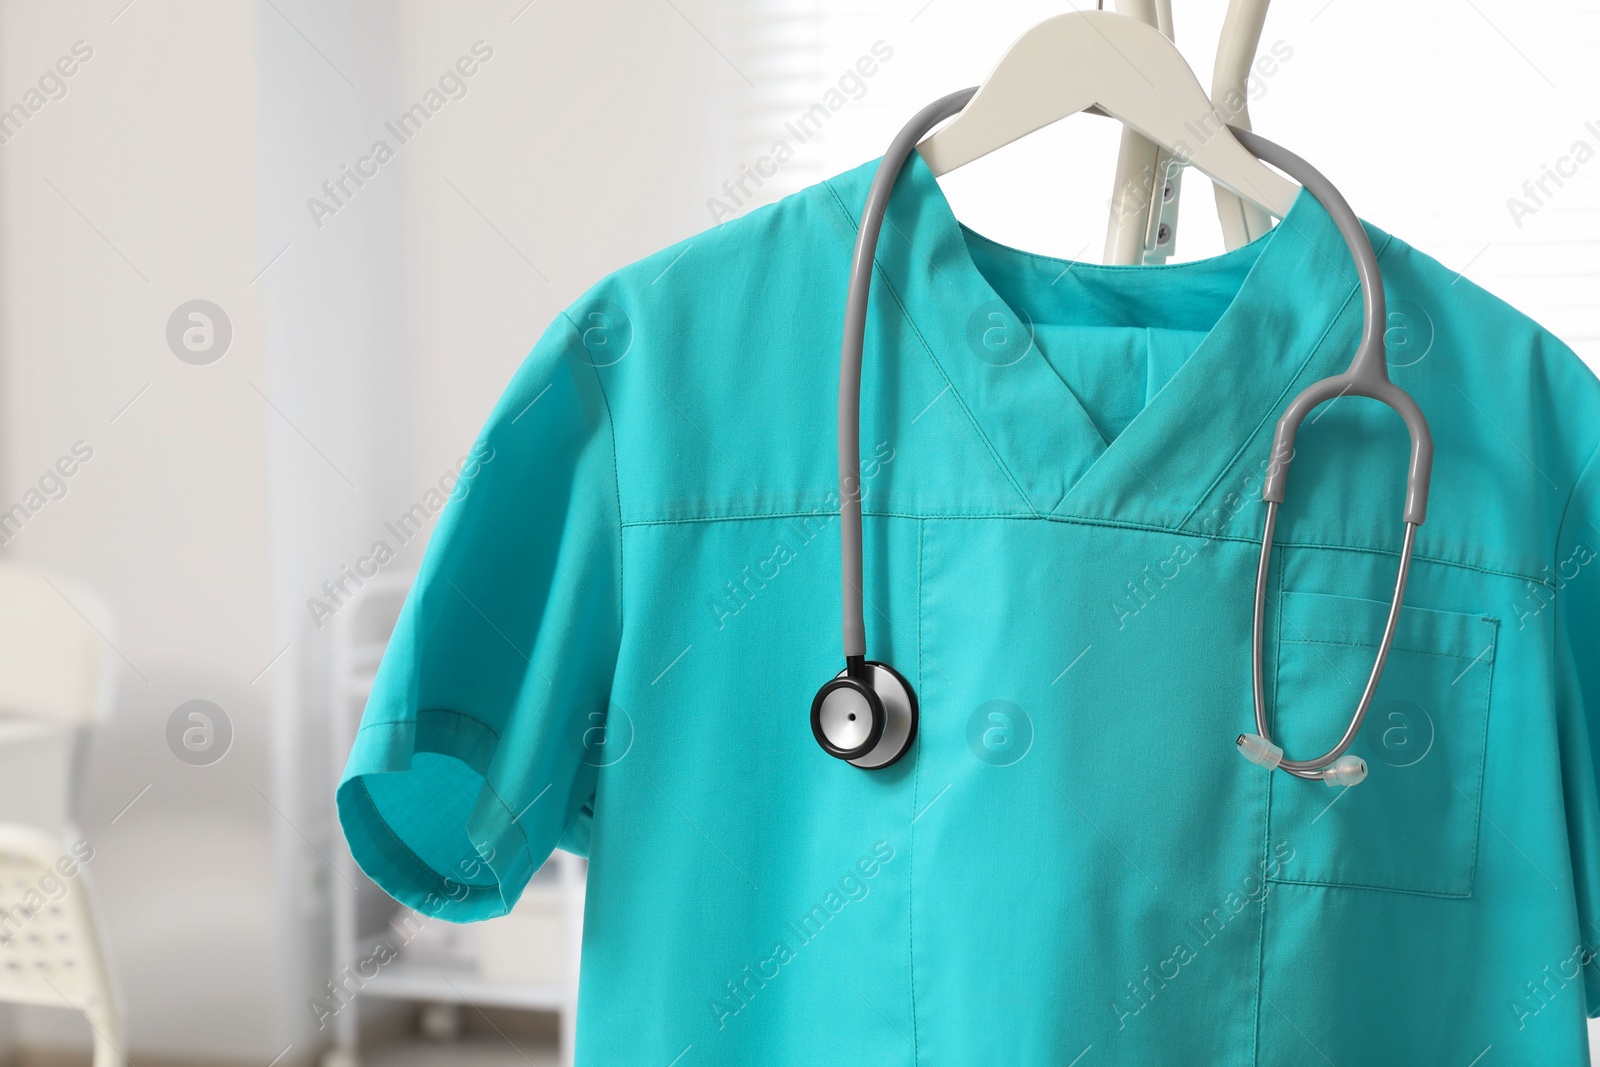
x=1367, y=375
x=855, y=331
x=1312, y=768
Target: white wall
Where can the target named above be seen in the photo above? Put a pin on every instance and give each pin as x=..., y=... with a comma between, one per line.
x=135, y=192
x=366, y=352
x=588, y=141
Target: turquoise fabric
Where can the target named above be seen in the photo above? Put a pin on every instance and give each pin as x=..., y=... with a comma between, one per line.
x=625, y=612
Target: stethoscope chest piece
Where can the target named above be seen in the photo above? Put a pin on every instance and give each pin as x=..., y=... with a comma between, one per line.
x=866, y=717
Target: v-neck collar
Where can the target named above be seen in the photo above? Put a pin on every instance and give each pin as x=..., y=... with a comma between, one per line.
x=1292, y=319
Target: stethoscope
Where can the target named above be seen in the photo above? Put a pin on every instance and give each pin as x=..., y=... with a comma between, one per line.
x=867, y=714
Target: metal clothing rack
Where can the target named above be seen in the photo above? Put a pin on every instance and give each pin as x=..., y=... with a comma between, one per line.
x=1143, y=227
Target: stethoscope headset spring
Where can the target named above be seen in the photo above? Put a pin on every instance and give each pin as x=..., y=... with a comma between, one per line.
x=867, y=714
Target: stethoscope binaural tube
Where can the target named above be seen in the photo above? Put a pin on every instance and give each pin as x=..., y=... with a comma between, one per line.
x=855, y=331
x=1368, y=376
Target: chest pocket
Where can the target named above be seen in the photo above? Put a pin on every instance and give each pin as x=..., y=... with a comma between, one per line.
x=1412, y=826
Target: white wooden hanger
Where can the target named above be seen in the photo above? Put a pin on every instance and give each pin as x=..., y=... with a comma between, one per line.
x=1117, y=66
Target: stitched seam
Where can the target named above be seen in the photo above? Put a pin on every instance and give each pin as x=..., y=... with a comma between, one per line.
x=616, y=472
x=1392, y=647
x=1277, y=636
x=911, y=845
x=616, y=488
x=1079, y=520
x=1566, y=509
x=756, y=515
x=1483, y=756
x=1488, y=703
x=1561, y=531
x=1437, y=895
x=1108, y=268
x=433, y=711
x=386, y=722
x=916, y=332
x=1553, y=645
x=383, y=824
x=1261, y=940
x=523, y=830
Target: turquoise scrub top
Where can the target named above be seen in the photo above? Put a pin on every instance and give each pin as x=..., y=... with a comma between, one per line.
x=627, y=607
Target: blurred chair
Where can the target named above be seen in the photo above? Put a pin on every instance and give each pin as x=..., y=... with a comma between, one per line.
x=49, y=951
x=56, y=681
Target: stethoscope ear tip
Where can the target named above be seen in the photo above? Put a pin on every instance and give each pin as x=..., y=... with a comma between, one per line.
x=1259, y=750
x=1344, y=771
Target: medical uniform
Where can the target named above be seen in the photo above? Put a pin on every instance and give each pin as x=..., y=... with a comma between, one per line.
x=625, y=611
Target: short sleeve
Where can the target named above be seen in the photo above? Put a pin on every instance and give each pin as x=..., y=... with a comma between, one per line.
x=1575, y=581
x=470, y=762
